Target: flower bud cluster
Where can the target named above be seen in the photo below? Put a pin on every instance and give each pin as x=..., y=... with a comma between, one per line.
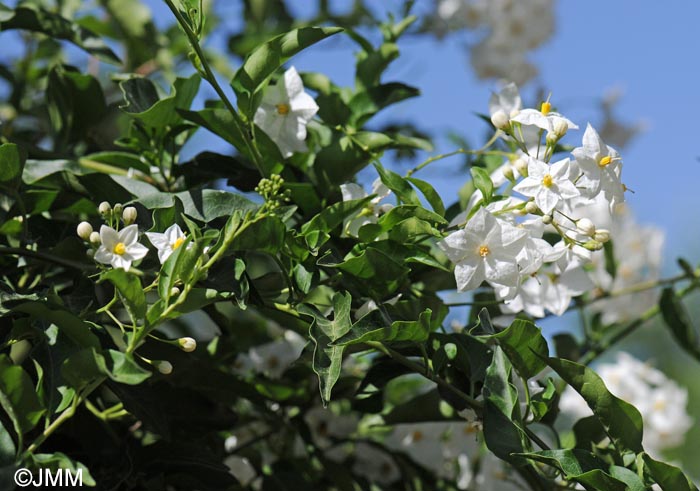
x=273, y=192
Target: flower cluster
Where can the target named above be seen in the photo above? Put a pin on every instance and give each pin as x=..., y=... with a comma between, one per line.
x=502, y=240
x=120, y=247
x=661, y=401
x=513, y=28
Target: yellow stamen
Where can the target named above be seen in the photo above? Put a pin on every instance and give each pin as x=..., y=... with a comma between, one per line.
x=547, y=181
x=484, y=251
x=120, y=248
x=417, y=436
x=605, y=161
x=545, y=108
x=178, y=243
x=282, y=109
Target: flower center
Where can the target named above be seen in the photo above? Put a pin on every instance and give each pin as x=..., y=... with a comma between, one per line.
x=177, y=243
x=417, y=436
x=547, y=181
x=484, y=251
x=120, y=248
x=605, y=161
x=545, y=108
x=282, y=109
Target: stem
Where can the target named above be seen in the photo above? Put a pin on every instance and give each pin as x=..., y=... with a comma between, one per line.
x=65, y=415
x=209, y=76
x=420, y=369
x=598, y=350
x=481, y=151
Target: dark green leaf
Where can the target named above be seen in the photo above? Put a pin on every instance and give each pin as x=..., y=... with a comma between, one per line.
x=11, y=165
x=483, y=182
x=669, y=477
x=130, y=292
x=376, y=327
x=524, y=345
x=18, y=397
x=678, y=321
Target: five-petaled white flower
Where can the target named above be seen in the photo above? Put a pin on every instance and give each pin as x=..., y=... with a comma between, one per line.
x=120, y=249
x=601, y=167
x=371, y=212
x=486, y=249
x=285, y=111
x=548, y=184
x=167, y=242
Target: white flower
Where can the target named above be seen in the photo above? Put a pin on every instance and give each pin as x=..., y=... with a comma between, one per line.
x=370, y=213
x=601, y=167
x=285, y=111
x=506, y=100
x=544, y=118
x=549, y=185
x=486, y=249
x=167, y=242
x=378, y=466
x=326, y=426
x=120, y=249
x=274, y=358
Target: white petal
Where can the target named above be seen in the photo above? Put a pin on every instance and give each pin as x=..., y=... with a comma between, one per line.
x=292, y=83
x=103, y=255
x=352, y=191
x=137, y=251
x=469, y=274
x=109, y=237
x=129, y=235
x=159, y=241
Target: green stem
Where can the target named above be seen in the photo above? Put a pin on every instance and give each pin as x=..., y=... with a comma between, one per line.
x=481, y=151
x=209, y=76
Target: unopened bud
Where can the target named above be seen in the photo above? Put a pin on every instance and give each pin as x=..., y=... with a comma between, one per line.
x=118, y=209
x=531, y=207
x=508, y=172
x=90, y=253
x=520, y=165
x=547, y=219
x=104, y=208
x=129, y=215
x=560, y=127
x=95, y=238
x=500, y=120
x=586, y=227
x=174, y=291
x=187, y=344
x=593, y=245
x=602, y=235
x=552, y=138
x=84, y=230
x=163, y=366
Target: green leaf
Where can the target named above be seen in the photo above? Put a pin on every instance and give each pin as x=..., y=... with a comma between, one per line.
x=77, y=330
x=328, y=358
x=400, y=186
x=483, y=182
x=11, y=165
x=678, y=321
x=58, y=460
x=366, y=104
x=143, y=103
x=265, y=234
x=8, y=450
x=346, y=155
x=430, y=194
x=524, y=345
x=621, y=420
x=18, y=397
x=130, y=292
x=502, y=431
x=33, y=18
x=316, y=230
x=371, y=65
x=220, y=122
x=179, y=267
x=376, y=327
x=259, y=66
x=582, y=467
x=124, y=369
x=84, y=367
x=669, y=477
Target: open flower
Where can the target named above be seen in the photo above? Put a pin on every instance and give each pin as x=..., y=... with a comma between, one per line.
x=549, y=185
x=285, y=111
x=486, y=249
x=167, y=242
x=120, y=249
x=371, y=212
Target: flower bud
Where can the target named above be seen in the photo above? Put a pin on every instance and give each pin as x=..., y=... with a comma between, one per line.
x=95, y=238
x=531, y=207
x=163, y=366
x=129, y=215
x=118, y=209
x=560, y=127
x=552, y=138
x=585, y=226
x=104, y=208
x=187, y=344
x=521, y=166
x=174, y=291
x=84, y=230
x=602, y=235
x=508, y=172
x=593, y=245
x=500, y=120
x=547, y=219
